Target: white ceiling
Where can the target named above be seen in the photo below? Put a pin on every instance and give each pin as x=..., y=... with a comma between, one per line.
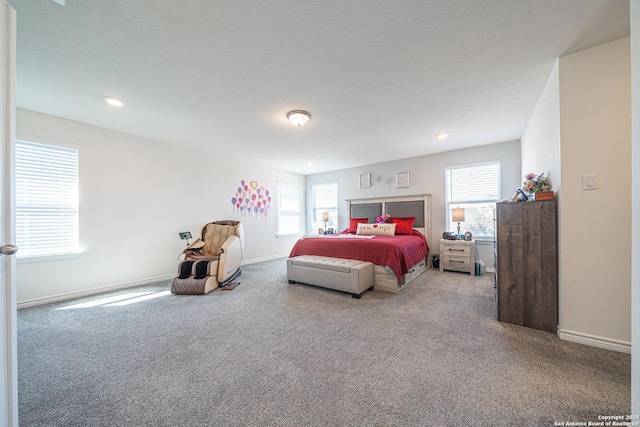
x=380, y=77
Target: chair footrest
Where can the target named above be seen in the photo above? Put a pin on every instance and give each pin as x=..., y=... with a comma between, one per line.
x=191, y=286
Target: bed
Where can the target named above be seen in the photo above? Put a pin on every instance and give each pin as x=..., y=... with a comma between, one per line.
x=398, y=259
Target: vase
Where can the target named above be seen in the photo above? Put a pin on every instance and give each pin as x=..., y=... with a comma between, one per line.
x=543, y=195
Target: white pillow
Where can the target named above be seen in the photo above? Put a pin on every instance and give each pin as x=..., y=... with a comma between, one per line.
x=383, y=229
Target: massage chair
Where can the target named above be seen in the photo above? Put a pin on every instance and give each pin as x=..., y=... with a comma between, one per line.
x=212, y=261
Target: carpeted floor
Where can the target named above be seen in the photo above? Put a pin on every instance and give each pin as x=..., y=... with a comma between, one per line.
x=272, y=354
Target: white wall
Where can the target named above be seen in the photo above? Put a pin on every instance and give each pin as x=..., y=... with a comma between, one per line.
x=426, y=176
x=635, y=209
x=541, y=138
x=135, y=196
x=595, y=272
x=541, y=151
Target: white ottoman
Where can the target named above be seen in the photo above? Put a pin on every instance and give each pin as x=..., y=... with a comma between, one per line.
x=346, y=275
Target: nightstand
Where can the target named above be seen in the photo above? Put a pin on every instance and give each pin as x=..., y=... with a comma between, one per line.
x=458, y=255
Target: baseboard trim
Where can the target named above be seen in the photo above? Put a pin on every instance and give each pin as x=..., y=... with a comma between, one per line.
x=595, y=341
x=268, y=258
x=88, y=292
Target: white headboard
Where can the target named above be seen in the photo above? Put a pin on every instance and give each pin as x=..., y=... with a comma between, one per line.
x=418, y=206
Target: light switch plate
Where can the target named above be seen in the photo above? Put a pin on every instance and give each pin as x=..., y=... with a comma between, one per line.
x=590, y=182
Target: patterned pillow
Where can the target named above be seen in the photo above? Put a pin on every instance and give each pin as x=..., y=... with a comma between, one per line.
x=377, y=229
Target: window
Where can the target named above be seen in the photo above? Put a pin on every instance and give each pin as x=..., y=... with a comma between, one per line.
x=476, y=188
x=46, y=199
x=288, y=209
x=325, y=199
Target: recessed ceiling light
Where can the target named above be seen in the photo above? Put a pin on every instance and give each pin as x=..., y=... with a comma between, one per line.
x=114, y=102
x=311, y=163
x=442, y=135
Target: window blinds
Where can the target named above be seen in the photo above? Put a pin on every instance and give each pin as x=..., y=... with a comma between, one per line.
x=476, y=188
x=46, y=191
x=325, y=199
x=475, y=183
x=288, y=209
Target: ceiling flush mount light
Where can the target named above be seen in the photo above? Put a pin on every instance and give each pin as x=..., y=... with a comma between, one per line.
x=298, y=117
x=114, y=102
x=442, y=135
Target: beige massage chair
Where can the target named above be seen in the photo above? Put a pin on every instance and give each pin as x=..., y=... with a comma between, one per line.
x=211, y=261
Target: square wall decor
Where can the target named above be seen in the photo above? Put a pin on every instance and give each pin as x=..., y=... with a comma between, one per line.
x=365, y=180
x=402, y=180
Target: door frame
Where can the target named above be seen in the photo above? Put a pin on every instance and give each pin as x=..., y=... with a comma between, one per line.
x=8, y=296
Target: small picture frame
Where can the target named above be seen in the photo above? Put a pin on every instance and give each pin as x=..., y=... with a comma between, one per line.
x=402, y=180
x=365, y=180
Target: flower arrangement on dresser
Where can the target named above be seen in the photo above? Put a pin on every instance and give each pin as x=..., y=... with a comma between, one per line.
x=538, y=186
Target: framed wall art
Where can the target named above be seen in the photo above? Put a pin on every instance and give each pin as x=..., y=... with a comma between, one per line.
x=402, y=180
x=365, y=180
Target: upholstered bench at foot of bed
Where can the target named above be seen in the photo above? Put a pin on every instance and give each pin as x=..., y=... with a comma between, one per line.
x=346, y=275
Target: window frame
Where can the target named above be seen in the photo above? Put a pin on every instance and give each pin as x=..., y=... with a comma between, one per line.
x=450, y=204
x=288, y=213
x=316, y=223
x=69, y=245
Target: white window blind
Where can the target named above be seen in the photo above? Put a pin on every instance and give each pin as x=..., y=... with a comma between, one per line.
x=46, y=199
x=325, y=199
x=476, y=188
x=288, y=209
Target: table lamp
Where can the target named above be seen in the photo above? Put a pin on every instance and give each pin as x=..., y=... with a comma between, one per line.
x=457, y=215
x=325, y=218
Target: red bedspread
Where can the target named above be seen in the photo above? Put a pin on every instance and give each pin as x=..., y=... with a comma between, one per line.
x=400, y=252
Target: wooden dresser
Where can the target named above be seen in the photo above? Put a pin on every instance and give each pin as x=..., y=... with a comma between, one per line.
x=527, y=266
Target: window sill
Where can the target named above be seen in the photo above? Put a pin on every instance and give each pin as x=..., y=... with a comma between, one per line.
x=44, y=258
x=484, y=240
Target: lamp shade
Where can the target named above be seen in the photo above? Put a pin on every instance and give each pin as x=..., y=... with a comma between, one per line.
x=298, y=117
x=457, y=214
x=325, y=216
